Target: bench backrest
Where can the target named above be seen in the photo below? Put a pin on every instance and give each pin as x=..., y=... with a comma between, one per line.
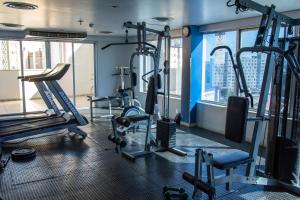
x=236, y=119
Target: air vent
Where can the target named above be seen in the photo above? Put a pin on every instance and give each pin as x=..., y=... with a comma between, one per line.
x=10, y=25
x=20, y=5
x=163, y=19
x=105, y=32
x=55, y=35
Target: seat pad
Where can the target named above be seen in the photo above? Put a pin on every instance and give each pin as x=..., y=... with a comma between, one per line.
x=126, y=121
x=231, y=160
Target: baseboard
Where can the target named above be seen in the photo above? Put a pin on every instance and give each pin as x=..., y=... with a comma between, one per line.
x=188, y=125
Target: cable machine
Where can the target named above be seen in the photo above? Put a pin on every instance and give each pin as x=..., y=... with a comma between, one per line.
x=282, y=72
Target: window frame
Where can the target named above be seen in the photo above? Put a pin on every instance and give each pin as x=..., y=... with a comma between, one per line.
x=238, y=47
x=46, y=42
x=143, y=89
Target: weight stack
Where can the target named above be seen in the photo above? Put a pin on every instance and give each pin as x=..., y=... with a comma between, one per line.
x=166, y=133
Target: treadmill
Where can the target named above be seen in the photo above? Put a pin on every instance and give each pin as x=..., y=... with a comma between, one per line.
x=70, y=119
x=46, y=95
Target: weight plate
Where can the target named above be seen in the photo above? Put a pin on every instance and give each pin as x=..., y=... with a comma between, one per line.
x=23, y=154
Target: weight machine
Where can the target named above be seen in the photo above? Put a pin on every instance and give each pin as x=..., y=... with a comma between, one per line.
x=126, y=122
x=280, y=58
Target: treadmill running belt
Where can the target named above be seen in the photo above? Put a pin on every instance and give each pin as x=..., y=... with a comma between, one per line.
x=35, y=125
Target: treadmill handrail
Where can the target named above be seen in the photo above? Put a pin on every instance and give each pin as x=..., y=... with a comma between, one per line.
x=27, y=77
x=55, y=74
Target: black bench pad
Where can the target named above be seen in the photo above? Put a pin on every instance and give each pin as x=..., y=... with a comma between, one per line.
x=106, y=98
x=125, y=121
x=231, y=160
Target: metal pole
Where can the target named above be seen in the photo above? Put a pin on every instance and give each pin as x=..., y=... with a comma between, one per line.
x=22, y=74
x=73, y=73
x=168, y=48
x=48, y=55
x=267, y=79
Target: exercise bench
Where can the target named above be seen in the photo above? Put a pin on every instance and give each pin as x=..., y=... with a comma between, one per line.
x=235, y=130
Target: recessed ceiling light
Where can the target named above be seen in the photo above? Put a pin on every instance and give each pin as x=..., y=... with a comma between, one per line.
x=11, y=25
x=163, y=19
x=106, y=32
x=20, y=5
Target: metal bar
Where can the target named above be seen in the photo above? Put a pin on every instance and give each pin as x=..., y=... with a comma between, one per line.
x=73, y=74
x=229, y=174
x=57, y=96
x=268, y=74
x=131, y=71
x=48, y=54
x=264, y=10
x=22, y=74
x=67, y=103
x=168, y=48
x=47, y=97
x=144, y=38
x=127, y=43
x=95, y=45
x=133, y=26
x=198, y=170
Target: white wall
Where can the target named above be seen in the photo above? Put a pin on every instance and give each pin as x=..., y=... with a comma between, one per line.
x=175, y=103
x=212, y=117
x=108, y=60
x=10, y=86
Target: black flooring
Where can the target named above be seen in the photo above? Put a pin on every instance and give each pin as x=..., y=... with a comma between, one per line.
x=69, y=169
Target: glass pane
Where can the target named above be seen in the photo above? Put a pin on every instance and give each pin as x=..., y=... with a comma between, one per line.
x=176, y=66
x=146, y=64
x=61, y=52
x=84, y=73
x=10, y=69
x=218, y=75
x=253, y=64
x=34, y=62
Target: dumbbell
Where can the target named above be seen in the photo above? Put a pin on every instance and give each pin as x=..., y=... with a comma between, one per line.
x=112, y=138
x=174, y=193
x=166, y=188
x=180, y=196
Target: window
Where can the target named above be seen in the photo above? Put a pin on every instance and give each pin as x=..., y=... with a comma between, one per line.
x=218, y=74
x=61, y=52
x=9, y=55
x=253, y=64
x=176, y=66
x=34, y=56
x=146, y=64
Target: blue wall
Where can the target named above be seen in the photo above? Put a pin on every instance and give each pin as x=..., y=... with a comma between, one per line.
x=191, y=75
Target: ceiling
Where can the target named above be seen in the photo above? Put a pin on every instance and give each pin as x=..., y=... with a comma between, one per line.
x=64, y=14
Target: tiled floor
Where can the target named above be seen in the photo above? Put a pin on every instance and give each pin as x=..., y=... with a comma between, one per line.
x=68, y=169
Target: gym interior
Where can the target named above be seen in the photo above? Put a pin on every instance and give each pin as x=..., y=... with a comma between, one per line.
x=164, y=99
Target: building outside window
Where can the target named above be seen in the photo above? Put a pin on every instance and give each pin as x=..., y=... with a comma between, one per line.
x=253, y=64
x=34, y=56
x=219, y=81
x=218, y=74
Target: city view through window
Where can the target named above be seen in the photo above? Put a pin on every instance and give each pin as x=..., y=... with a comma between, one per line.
x=218, y=77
